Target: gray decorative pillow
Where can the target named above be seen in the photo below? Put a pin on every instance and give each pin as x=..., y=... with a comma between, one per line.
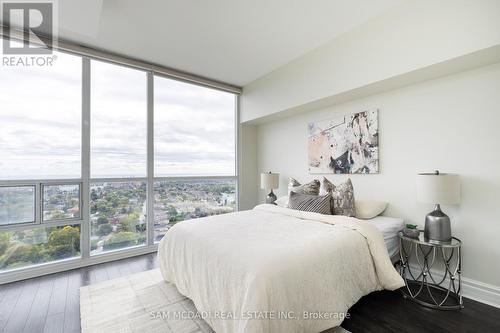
x=309, y=188
x=343, y=197
x=310, y=203
x=326, y=187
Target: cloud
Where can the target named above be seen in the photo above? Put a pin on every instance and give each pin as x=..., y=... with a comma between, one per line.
x=40, y=129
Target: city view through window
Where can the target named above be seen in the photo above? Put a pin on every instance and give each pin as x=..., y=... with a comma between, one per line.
x=42, y=192
x=176, y=201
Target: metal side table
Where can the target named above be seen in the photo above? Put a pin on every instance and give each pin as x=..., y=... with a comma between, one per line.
x=417, y=257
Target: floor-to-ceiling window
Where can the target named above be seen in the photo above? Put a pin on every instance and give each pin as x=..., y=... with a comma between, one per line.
x=98, y=158
x=40, y=163
x=194, y=153
x=118, y=157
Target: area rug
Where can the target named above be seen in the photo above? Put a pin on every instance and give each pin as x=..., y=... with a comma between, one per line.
x=142, y=303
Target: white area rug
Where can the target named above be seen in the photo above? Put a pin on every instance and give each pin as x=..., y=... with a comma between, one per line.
x=142, y=303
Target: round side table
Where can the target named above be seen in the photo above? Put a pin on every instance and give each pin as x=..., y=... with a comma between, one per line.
x=417, y=257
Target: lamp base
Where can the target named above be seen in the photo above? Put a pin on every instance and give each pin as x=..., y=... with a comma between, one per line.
x=437, y=226
x=271, y=198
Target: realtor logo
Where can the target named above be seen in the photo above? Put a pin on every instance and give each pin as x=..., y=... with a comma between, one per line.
x=32, y=20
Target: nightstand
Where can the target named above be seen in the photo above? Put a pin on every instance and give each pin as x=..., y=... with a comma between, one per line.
x=438, y=289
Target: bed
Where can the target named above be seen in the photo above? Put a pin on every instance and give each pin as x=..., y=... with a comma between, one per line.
x=274, y=269
x=389, y=227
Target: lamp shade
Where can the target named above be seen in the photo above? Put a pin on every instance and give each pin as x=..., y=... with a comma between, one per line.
x=438, y=188
x=269, y=181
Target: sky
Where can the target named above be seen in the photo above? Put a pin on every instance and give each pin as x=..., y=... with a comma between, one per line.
x=40, y=124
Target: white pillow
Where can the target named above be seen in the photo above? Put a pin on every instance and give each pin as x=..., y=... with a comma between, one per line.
x=368, y=209
x=282, y=201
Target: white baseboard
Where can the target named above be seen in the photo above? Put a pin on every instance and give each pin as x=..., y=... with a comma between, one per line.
x=481, y=292
x=475, y=290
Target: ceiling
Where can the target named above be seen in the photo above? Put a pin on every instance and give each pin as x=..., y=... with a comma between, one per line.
x=232, y=41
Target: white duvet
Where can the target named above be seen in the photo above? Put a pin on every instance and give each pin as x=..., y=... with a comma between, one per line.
x=274, y=269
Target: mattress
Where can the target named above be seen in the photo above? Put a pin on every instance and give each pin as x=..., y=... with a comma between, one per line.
x=389, y=227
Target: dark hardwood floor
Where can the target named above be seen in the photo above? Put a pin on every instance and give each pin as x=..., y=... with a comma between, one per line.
x=51, y=304
x=387, y=311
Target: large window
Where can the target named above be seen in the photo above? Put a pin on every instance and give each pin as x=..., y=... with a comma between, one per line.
x=98, y=158
x=118, y=150
x=40, y=142
x=40, y=117
x=118, y=121
x=194, y=130
x=194, y=137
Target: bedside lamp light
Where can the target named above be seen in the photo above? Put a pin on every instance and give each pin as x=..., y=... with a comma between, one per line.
x=438, y=188
x=269, y=181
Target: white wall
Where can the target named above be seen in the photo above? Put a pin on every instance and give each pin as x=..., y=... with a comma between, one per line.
x=451, y=124
x=415, y=35
x=248, y=180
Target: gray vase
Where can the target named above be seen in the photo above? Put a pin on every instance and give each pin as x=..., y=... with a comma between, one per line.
x=437, y=226
x=271, y=198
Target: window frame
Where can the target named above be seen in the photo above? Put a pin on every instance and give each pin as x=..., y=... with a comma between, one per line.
x=38, y=204
x=85, y=180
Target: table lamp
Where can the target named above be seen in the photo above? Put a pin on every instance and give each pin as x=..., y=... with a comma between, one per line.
x=438, y=188
x=269, y=181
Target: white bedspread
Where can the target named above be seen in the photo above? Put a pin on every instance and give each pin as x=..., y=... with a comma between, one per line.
x=270, y=268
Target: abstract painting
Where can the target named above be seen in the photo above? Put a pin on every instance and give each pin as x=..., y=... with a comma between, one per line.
x=346, y=144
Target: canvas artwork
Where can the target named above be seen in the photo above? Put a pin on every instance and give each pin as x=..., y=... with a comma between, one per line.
x=346, y=144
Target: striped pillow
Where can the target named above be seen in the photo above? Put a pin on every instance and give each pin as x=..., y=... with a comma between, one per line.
x=310, y=203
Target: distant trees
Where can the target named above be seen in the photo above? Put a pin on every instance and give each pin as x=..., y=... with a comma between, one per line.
x=102, y=220
x=118, y=204
x=117, y=220
x=4, y=241
x=58, y=215
x=128, y=223
x=120, y=240
x=176, y=218
x=103, y=207
x=65, y=242
x=104, y=229
x=198, y=212
x=18, y=249
x=21, y=254
x=74, y=202
x=172, y=211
